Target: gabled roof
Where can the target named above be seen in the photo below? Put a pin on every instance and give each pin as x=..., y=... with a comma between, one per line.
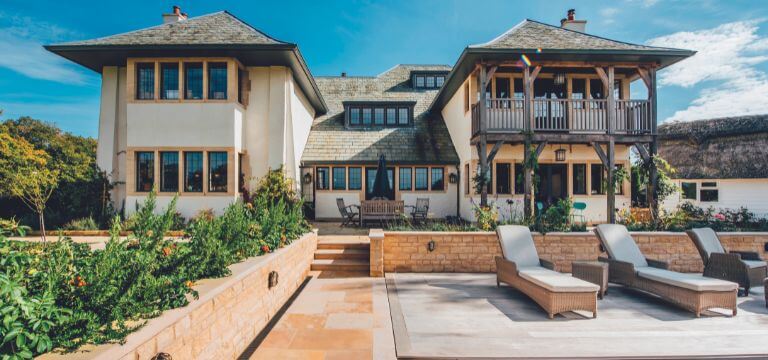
x=219, y=34
x=532, y=35
x=723, y=148
x=556, y=44
x=216, y=28
x=426, y=142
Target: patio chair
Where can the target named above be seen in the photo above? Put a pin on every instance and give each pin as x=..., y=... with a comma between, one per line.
x=578, y=211
x=349, y=213
x=627, y=266
x=742, y=267
x=521, y=268
x=421, y=210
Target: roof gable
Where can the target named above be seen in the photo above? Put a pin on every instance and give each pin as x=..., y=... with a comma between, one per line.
x=216, y=28
x=531, y=34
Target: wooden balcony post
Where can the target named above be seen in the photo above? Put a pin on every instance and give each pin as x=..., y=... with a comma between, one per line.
x=483, y=145
x=610, y=167
x=528, y=125
x=653, y=177
x=611, y=101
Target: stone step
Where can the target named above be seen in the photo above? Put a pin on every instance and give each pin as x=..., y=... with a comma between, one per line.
x=349, y=254
x=340, y=265
x=334, y=245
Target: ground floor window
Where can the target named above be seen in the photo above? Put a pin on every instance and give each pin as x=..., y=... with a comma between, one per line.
x=438, y=179
x=321, y=179
x=217, y=171
x=193, y=171
x=406, y=176
x=709, y=192
x=579, y=179
x=145, y=171
x=355, y=178
x=688, y=190
x=339, y=178
x=519, y=179
x=597, y=179
x=422, y=179
x=503, y=178
x=169, y=171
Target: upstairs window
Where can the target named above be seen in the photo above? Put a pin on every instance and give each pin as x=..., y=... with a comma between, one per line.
x=378, y=114
x=217, y=81
x=145, y=81
x=169, y=81
x=193, y=81
x=428, y=80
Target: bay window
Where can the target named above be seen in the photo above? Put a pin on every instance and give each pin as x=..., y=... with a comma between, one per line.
x=145, y=81
x=145, y=171
x=169, y=81
x=217, y=171
x=193, y=171
x=193, y=81
x=169, y=171
x=217, y=81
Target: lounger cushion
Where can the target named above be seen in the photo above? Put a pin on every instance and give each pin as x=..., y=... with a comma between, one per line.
x=620, y=245
x=708, y=240
x=517, y=245
x=755, y=263
x=695, y=282
x=555, y=281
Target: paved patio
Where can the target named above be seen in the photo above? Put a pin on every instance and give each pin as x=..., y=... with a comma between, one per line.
x=465, y=315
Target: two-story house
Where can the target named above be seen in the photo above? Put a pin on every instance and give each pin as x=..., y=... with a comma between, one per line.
x=195, y=106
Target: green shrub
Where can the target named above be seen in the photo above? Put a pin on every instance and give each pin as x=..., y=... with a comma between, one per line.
x=556, y=217
x=11, y=227
x=86, y=223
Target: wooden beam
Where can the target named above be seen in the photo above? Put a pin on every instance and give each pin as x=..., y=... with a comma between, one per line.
x=601, y=73
x=496, y=147
x=482, y=154
x=534, y=74
x=540, y=148
x=611, y=102
x=527, y=181
x=611, y=198
x=527, y=99
x=600, y=153
x=491, y=71
x=643, y=152
x=581, y=64
x=643, y=73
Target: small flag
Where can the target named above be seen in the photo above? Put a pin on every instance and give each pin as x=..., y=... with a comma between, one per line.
x=525, y=60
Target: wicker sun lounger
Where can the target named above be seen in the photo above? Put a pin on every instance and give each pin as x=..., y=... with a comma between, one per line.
x=744, y=268
x=627, y=266
x=521, y=268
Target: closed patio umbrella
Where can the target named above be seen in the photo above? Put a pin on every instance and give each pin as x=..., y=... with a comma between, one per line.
x=381, y=188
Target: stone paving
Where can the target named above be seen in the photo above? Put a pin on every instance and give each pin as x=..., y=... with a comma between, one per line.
x=337, y=316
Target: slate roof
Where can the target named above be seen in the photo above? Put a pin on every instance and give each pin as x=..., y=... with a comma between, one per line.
x=531, y=34
x=216, y=28
x=723, y=148
x=427, y=142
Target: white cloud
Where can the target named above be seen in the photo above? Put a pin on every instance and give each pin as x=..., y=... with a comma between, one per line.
x=21, y=40
x=725, y=66
x=609, y=15
x=644, y=3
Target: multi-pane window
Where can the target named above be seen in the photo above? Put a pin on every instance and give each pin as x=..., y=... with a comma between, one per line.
x=355, y=178
x=169, y=171
x=193, y=81
x=193, y=171
x=709, y=192
x=419, y=81
x=378, y=114
x=519, y=179
x=597, y=179
x=406, y=176
x=466, y=179
x=579, y=179
x=145, y=171
x=438, y=181
x=439, y=81
x=217, y=81
x=321, y=181
x=217, y=171
x=688, y=190
x=169, y=81
x=145, y=81
x=428, y=80
x=503, y=178
x=339, y=178
x=421, y=179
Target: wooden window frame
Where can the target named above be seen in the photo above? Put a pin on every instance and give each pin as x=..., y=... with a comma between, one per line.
x=327, y=180
x=333, y=178
x=162, y=171
x=373, y=108
x=349, y=178
x=400, y=179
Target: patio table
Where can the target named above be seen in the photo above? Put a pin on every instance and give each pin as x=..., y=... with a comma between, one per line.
x=595, y=272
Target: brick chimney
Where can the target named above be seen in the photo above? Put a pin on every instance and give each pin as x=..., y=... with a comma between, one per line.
x=175, y=16
x=570, y=22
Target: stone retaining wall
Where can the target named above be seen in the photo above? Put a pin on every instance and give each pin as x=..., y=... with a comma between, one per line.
x=474, y=251
x=228, y=315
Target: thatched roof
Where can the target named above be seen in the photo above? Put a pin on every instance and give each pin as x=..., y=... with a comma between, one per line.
x=724, y=148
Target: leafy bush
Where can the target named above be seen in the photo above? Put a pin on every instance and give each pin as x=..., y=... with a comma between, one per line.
x=11, y=227
x=556, y=217
x=86, y=223
x=487, y=217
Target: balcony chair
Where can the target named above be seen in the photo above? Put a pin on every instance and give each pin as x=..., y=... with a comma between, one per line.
x=521, y=268
x=627, y=266
x=349, y=213
x=742, y=267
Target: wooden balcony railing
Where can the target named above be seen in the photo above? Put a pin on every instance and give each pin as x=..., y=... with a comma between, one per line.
x=565, y=115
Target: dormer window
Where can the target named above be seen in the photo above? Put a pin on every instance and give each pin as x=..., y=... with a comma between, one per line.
x=428, y=79
x=368, y=114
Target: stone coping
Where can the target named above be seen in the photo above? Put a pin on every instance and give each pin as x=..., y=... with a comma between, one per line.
x=207, y=290
x=52, y=233
x=572, y=233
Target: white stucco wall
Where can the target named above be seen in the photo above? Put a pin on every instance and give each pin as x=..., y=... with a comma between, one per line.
x=187, y=206
x=302, y=115
x=732, y=194
x=185, y=124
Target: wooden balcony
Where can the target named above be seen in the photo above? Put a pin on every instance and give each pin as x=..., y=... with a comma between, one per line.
x=554, y=118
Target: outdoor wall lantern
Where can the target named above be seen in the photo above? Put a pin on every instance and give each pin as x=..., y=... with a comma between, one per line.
x=308, y=178
x=431, y=245
x=272, y=279
x=560, y=154
x=453, y=178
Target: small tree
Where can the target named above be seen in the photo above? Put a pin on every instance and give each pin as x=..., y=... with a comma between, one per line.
x=25, y=173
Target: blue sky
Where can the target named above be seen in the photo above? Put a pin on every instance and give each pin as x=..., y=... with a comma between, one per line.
x=729, y=75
